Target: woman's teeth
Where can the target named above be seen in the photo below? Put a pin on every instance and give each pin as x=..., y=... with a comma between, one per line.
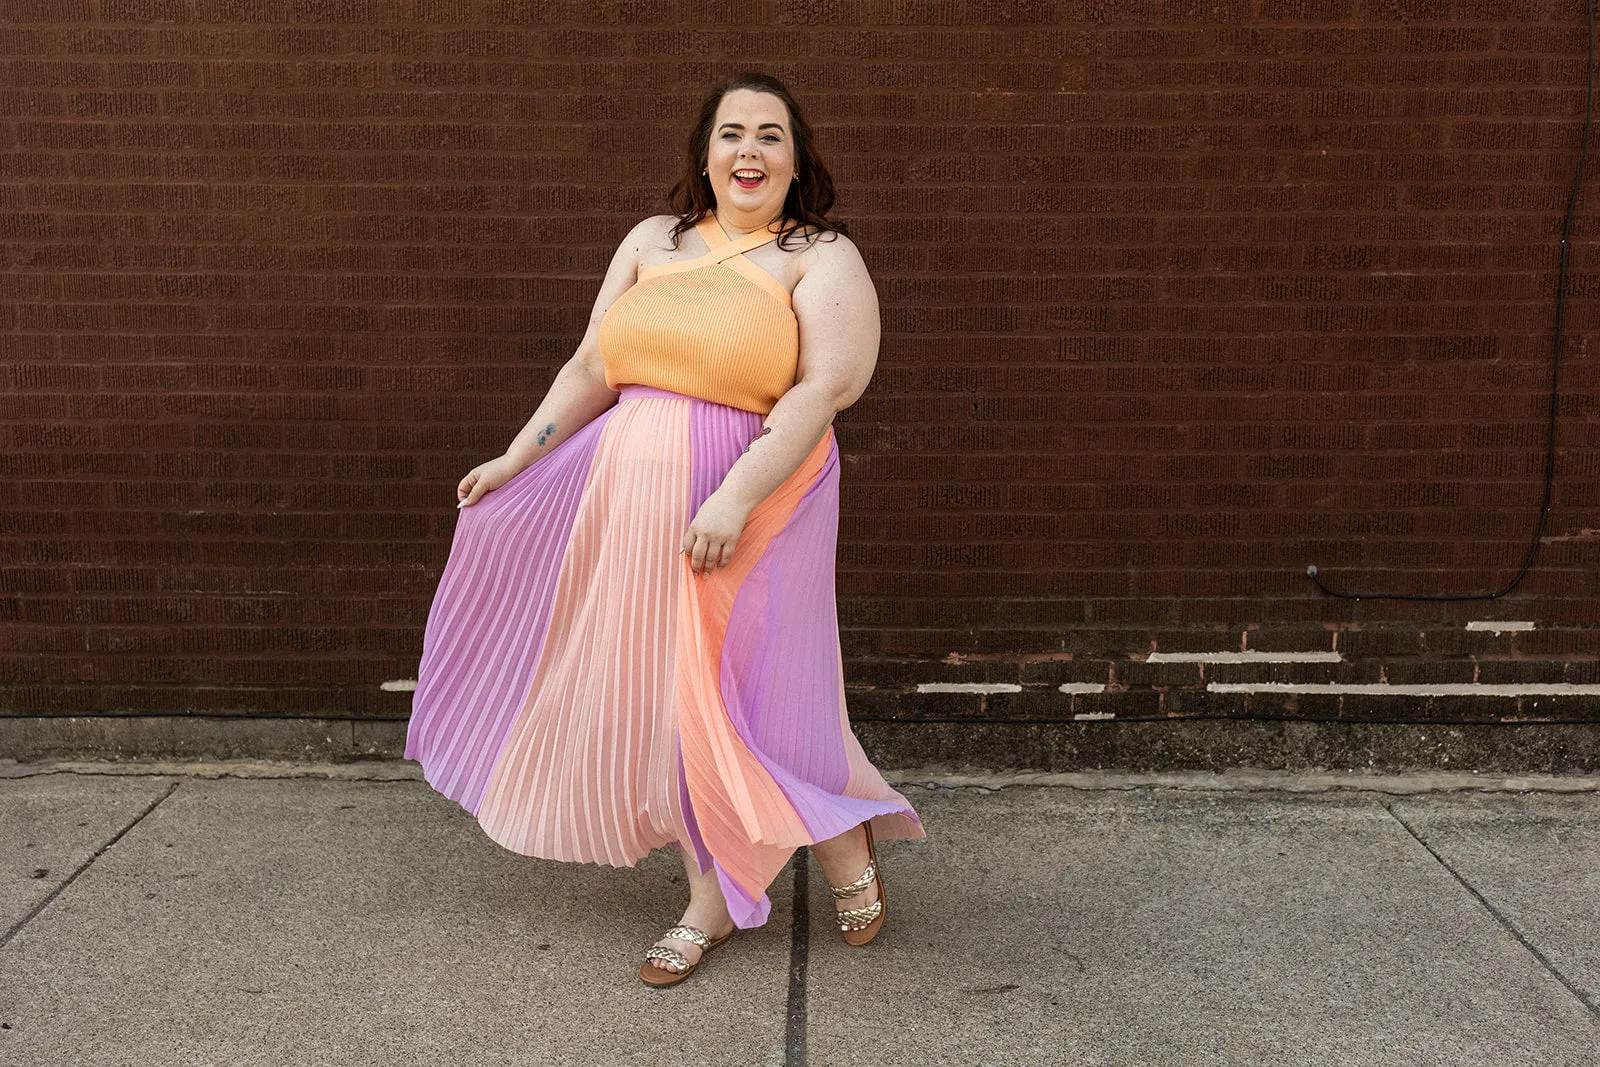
x=749, y=183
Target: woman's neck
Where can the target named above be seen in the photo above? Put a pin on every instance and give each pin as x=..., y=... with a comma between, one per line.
x=740, y=233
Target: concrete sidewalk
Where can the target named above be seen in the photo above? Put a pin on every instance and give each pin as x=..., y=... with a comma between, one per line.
x=268, y=914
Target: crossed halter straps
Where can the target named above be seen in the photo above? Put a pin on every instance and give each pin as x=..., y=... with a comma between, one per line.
x=724, y=248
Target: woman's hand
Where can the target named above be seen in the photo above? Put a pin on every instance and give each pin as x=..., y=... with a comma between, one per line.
x=711, y=537
x=486, y=477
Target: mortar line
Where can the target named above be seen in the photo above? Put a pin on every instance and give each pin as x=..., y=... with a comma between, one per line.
x=1583, y=998
x=16, y=927
x=794, y=1035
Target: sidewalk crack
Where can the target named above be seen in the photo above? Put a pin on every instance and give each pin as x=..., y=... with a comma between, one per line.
x=794, y=1036
x=1510, y=927
x=16, y=927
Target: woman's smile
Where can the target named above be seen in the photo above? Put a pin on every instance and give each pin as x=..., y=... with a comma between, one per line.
x=750, y=159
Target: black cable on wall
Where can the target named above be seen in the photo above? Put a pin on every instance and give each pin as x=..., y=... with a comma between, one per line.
x=1555, y=373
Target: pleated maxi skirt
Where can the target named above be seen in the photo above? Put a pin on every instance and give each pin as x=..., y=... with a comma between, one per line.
x=588, y=697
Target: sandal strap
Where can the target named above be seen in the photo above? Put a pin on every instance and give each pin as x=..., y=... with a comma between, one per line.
x=689, y=933
x=857, y=886
x=852, y=918
x=672, y=956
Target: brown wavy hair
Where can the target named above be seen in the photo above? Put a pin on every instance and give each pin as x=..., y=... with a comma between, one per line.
x=809, y=197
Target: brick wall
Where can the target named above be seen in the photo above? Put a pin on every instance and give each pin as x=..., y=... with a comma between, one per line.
x=1177, y=299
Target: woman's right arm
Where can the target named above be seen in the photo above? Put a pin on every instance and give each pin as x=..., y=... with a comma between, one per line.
x=579, y=393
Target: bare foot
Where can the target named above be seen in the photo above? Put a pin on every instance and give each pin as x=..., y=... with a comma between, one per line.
x=844, y=859
x=712, y=925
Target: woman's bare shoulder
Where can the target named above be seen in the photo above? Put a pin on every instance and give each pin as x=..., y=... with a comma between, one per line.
x=826, y=249
x=660, y=225
x=650, y=232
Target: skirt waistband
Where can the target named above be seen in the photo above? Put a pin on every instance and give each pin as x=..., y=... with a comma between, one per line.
x=634, y=391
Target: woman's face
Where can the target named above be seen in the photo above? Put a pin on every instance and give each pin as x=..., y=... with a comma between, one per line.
x=750, y=133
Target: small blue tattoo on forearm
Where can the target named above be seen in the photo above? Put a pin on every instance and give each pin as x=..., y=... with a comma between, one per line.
x=545, y=433
x=764, y=431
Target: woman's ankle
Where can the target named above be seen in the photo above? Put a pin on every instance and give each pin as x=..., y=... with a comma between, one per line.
x=844, y=856
x=709, y=918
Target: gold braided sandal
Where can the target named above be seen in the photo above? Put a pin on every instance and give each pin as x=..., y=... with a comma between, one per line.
x=682, y=968
x=862, y=924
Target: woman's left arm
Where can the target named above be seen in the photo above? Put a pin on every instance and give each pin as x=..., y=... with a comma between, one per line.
x=837, y=308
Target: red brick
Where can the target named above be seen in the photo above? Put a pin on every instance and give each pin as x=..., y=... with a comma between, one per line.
x=1183, y=298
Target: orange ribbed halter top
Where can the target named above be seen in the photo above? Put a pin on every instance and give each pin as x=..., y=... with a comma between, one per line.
x=716, y=326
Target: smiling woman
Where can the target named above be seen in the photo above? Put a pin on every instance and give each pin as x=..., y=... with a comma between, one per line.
x=635, y=641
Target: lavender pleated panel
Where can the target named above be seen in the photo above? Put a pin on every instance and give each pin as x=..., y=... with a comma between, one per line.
x=782, y=669
x=719, y=435
x=488, y=619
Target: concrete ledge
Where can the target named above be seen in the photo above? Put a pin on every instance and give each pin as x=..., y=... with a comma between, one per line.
x=1219, y=744
x=1149, y=746
x=199, y=737
x=982, y=781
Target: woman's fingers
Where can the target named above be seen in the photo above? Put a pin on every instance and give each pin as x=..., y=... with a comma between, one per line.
x=485, y=478
x=706, y=555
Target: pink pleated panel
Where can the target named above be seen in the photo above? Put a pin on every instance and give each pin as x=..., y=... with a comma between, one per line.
x=589, y=769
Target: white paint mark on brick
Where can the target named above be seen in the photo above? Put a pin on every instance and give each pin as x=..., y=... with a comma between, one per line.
x=1082, y=687
x=1244, y=657
x=968, y=687
x=1088, y=716
x=399, y=685
x=1495, y=627
x=1437, y=689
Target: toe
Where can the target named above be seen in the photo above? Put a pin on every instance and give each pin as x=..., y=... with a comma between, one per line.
x=687, y=949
